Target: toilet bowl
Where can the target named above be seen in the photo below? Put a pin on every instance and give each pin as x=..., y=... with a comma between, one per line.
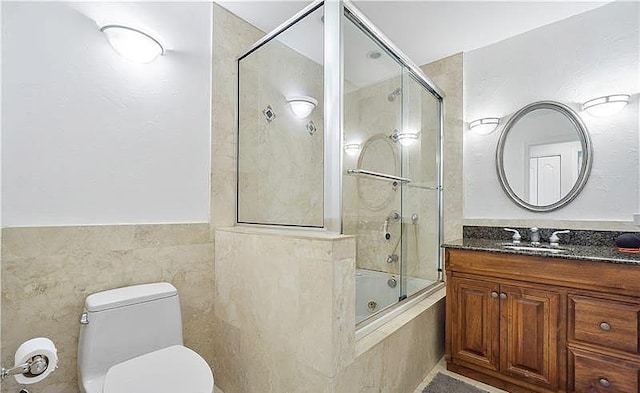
x=131, y=341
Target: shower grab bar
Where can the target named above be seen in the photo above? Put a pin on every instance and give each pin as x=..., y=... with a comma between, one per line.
x=378, y=175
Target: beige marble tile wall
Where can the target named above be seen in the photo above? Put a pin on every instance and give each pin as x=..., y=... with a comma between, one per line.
x=409, y=348
x=447, y=74
x=281, y=163
x=48, y=271
x=285, y=303
x=231, y=37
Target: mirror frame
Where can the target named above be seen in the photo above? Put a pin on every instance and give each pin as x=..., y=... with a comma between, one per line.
x=587, y=159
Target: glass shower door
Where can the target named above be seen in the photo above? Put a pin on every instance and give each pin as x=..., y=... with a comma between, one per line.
x=391, y=178
x=420, y=196
x=372, y=181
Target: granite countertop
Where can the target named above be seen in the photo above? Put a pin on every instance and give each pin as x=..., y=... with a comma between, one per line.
x=601, y=253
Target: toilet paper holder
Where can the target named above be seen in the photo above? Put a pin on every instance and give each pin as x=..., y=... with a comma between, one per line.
x=31, y=368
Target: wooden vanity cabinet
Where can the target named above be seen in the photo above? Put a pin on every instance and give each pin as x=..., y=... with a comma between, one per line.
x=535, y=324
x=505, y=328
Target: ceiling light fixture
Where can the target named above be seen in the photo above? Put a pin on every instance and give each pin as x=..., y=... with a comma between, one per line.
x=607, y=105
x=133, y=44
x=302, y=106
x=484, y=126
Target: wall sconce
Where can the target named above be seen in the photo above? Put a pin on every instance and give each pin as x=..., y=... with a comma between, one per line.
x=404, y=138
x=607, y=105
x=484, y=126
x=133, y=44
x=302, y=106
x=352, y=149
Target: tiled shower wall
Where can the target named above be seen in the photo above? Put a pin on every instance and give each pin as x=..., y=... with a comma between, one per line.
x=447, y=74
x=281, y=163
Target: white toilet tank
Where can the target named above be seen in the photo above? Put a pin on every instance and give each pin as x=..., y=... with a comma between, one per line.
x=123, y=323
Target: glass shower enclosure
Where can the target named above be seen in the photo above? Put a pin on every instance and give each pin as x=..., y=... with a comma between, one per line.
x=339, y=131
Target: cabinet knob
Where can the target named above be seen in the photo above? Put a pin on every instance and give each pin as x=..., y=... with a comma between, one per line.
x=604, y=382
x=503, y=296
x=494, y=294
x=605, y=326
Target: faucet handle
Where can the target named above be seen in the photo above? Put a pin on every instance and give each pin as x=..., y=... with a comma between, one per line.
x=554, y=239
x=516, y=235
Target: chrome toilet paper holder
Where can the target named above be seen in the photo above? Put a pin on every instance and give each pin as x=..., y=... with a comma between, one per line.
x=31, y=368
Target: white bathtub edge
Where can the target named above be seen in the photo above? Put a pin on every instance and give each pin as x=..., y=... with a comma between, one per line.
x=376, y=331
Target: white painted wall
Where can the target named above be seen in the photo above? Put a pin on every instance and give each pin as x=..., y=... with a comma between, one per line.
x=571, y=61
x=91, y=138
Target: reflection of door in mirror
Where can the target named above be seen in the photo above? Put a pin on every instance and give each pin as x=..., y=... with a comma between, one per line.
x=553, y=170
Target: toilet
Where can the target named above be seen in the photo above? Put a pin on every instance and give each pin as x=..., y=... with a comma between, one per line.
x=131, y=341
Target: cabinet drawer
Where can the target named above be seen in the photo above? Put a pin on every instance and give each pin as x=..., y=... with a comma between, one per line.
x=604, y=322
x=596, y=373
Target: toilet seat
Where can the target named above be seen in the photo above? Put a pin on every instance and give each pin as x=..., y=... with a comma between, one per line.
x=168, y=370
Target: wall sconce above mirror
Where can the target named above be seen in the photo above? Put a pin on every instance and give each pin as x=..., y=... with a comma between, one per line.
x=484, y=126
x=544, y=156
x=607, y=105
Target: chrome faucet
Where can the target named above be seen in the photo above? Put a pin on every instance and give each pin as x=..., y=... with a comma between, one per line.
x=516, y=235
x=535, y=236
x=554, y=240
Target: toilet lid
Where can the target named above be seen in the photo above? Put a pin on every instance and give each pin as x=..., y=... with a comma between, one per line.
x=169, y=370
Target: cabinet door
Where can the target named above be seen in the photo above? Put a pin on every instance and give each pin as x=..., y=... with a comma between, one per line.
x=474, y=325
x=529, y=330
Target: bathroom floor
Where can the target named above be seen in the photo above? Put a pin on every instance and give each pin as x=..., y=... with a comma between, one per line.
x=441, y=367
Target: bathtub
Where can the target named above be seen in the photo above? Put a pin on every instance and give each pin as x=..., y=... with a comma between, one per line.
x=373, y=292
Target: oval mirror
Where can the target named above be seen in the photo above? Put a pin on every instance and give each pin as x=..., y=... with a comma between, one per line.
x=544, y=156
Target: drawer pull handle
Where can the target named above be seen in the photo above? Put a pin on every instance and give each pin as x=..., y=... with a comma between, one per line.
x=503, y=296
x=605, y=326
x=604, y=382
x=494, y=294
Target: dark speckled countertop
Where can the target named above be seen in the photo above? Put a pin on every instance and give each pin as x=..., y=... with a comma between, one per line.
x=601, y=250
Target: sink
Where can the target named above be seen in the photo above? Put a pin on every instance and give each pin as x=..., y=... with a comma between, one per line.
x=535, y=249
